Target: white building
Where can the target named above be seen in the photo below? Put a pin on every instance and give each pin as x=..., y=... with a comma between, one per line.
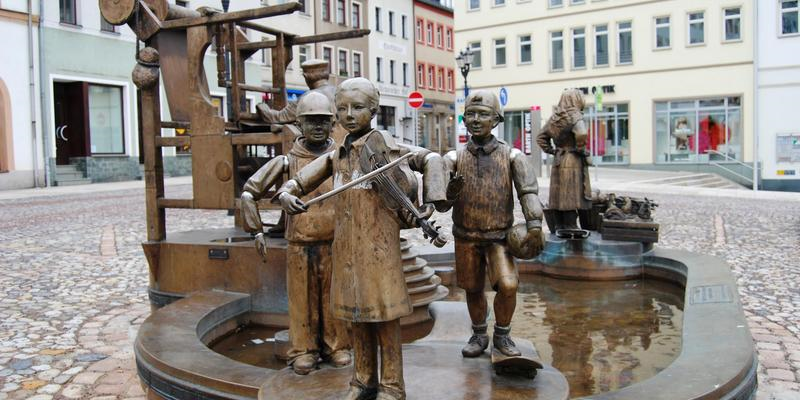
x=391, y=52
x=21, y=159
x=677, y=75
x=778, y=80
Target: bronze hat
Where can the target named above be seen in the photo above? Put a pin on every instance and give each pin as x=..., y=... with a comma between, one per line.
x=484, y=98
x=314, y=65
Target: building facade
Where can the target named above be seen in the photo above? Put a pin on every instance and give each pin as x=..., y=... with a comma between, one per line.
x=21, y=159
x=435, y=74
x=676, y=76
x=778, y=83
x=391, y=53
x=346, y=58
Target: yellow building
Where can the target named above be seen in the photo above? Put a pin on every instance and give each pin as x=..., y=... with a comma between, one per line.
x=676, y=75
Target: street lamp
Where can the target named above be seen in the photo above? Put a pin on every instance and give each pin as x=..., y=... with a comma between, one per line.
x=464, y=61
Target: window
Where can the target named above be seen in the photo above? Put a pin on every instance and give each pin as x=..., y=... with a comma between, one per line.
x=498, y=3
x=340, y=13
x=451, y=80
x=573, y=2
x=391, y=72
x=429, y=33
x=789, y=16
x=556, y=51
x=405, y=74
x=391, y=23
x=327, y=55
x=733, y=24
x=343, y=62
x=325, y=10
x=440, y=76
x=182, y=3
x=379, y=68
x=473, y=5
x=696, y=28
x=303, y=8
x=476, y=54
x=431, y=77
x=625, y=40
x=378, y=19
x=419, y=28
x=499, y=52
x=608, y=133
x=355, y=15
x=302, y=54
x=356, y=64
x=266, y=55
x=662, y=32
x=68, y=12
x=448, y=39
x=385, y=119
x=699, y=130
x=600, y=45
x=105, y=119
x=404, y=26
x=420, y=75
x=579, y=48
x=105, y=26
x=525, y=49
x=555, y=3
x=439, y=36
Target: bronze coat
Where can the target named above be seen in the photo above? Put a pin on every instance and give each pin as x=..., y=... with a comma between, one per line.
x=368, y=283
x=570, y=188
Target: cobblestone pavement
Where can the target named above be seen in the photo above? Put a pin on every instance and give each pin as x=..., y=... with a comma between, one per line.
x=73, y=284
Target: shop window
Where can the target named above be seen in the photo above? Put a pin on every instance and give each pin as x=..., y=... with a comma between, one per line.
x=662, y=33
x=733, y=24
x=600, y=45
x=514, y=128
x=556, y=51
x=355, y=11
x=608, y=141
x=579, y=48
x=789, y=16
x=105, y=120
x=697, y=30
x=625, y=40
x=699, y=131
x=499, y=52
x=386, y=119
x=476, y=54
x=68, y=12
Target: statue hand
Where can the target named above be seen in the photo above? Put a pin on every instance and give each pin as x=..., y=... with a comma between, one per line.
x=261, y=245
x=536, y=239
x=455, y=186
x=291, y=204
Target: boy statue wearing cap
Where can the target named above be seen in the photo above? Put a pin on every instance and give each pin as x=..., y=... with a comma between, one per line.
x=483, y=215
x=368, y=286
x=314, y=332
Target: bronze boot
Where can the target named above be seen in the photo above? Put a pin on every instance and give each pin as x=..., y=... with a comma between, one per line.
x=304, y=364
x=477, y=343
x=503, y=343
x=357, y=392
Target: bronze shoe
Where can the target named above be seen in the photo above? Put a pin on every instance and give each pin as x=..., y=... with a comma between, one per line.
x=361, y=393
x=476, y=345
x=340, y=358
x=304, y=364
x=503, y=343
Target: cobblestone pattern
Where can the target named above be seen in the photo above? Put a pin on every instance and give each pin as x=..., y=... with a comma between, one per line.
x=73, y=284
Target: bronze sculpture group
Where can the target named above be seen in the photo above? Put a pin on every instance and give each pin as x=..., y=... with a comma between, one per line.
x=345, y=277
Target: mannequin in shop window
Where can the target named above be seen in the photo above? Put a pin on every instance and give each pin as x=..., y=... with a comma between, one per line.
x=682, y=134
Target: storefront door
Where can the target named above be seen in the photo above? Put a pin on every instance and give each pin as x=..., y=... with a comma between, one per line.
x=70, y=100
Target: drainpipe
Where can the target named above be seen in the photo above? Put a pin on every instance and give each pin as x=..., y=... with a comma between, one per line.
x=755, y=96
x=42, y=79
x=32, y=95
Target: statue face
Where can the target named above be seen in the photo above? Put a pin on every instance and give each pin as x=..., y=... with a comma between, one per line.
x=480, y=120
x=353, y=112
x=316, y=128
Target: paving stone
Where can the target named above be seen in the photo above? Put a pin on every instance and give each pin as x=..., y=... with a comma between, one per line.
x=49, y=389
x=87, y=378
x=73, y=391
x=781, y=374
x=90, y=357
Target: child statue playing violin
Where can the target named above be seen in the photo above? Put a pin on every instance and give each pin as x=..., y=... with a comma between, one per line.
x=368, y=287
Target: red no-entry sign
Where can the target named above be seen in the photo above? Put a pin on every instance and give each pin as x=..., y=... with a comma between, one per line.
x=415, y=99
